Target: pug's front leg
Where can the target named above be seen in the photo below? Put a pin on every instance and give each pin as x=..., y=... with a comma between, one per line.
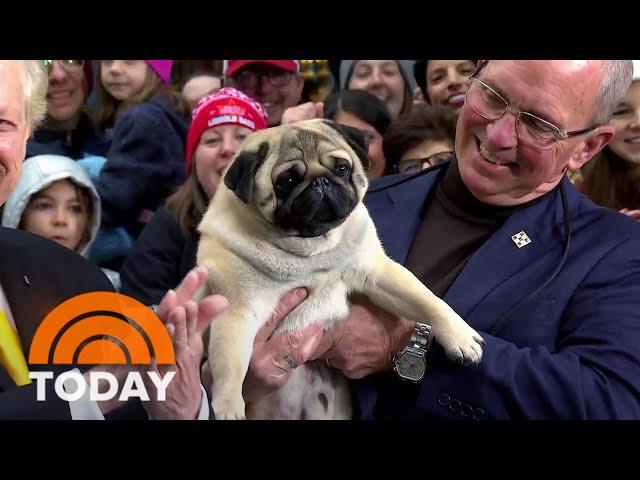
x=230, y=347
x=394, y=288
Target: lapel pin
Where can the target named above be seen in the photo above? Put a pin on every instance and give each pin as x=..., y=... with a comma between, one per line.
x=521, y=239
x=26, y=280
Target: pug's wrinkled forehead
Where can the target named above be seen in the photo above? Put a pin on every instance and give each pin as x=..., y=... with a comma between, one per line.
x=285, y=159
x=328, y=134
x=318, y=149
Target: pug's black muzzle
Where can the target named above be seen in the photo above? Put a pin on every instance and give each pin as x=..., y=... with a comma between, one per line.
x=320, y=207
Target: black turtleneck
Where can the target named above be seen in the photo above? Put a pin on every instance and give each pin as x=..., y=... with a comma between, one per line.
x=454, y=225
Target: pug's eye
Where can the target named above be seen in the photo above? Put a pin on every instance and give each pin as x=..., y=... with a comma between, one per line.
x=342, y=167
x=287, y=182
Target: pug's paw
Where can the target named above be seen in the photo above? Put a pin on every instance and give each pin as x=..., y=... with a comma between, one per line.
x=228, y=408
x=462, y=344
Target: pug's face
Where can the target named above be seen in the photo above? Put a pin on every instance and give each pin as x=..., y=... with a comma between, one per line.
x=305, y=178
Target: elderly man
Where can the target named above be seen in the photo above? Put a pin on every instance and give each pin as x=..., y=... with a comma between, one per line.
x=277, y=84
x=551, y=281
x=38, y=274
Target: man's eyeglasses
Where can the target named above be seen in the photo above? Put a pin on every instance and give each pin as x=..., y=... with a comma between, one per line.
x=249, y=79
x=417, y=164
x=532, y=130
x=69, y=66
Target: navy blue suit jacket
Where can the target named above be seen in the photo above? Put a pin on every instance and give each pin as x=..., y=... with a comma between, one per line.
x=37, y=275
x=572, y=352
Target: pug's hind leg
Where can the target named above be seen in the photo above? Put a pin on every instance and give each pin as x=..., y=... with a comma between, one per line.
x=394, y=288
x=230, y=347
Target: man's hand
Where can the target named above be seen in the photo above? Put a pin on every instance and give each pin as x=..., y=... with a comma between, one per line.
x=268, y=369
x=365, y=342
x=186, y=321
x=306, y=111
x=631, y=213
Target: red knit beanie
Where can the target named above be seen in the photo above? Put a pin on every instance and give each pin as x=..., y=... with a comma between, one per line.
x=228, y=106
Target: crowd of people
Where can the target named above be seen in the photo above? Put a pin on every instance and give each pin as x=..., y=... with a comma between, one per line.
x=509, y=188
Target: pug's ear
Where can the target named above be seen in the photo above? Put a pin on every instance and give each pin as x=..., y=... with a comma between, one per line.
x=240, y=177
x=356, y=139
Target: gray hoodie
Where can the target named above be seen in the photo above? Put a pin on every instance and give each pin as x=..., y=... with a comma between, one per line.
x=39, y=173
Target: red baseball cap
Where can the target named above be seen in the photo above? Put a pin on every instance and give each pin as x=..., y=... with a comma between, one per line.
x=234, y=66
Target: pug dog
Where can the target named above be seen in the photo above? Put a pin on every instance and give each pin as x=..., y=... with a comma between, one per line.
x=289, y=214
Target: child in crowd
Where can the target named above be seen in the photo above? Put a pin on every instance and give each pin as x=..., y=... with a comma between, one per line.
x=146, y=122
x=55, y=198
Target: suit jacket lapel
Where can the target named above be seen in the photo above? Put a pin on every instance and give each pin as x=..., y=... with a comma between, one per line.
x=13, y=271
x=397, y=213
x=500, y=260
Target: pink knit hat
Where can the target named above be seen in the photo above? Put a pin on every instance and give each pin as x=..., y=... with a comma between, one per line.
x=162, y=68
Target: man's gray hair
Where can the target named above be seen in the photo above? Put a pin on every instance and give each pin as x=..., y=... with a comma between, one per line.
x=615, y=81
x=36, y=82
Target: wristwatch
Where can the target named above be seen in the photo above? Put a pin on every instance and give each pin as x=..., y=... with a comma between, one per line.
x=411, y=362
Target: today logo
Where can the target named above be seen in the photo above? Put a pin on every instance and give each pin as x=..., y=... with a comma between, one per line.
x=101, y=328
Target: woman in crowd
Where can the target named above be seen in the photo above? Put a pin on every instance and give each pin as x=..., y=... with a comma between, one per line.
x=444, y=82
x=612, y=178
x=166, y=249
x=67, y=130
x=421, y=139
x=362, y=110
x=389, y=80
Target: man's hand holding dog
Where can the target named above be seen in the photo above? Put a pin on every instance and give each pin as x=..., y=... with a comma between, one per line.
x=365, y=342
x=269, y=370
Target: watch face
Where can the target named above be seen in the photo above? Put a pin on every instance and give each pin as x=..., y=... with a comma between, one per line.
x=411, y=366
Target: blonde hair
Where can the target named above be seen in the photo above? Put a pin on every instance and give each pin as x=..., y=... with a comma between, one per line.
x=36, y=82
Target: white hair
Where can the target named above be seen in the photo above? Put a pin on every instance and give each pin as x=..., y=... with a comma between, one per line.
x=35, y=86
x=615, y=81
